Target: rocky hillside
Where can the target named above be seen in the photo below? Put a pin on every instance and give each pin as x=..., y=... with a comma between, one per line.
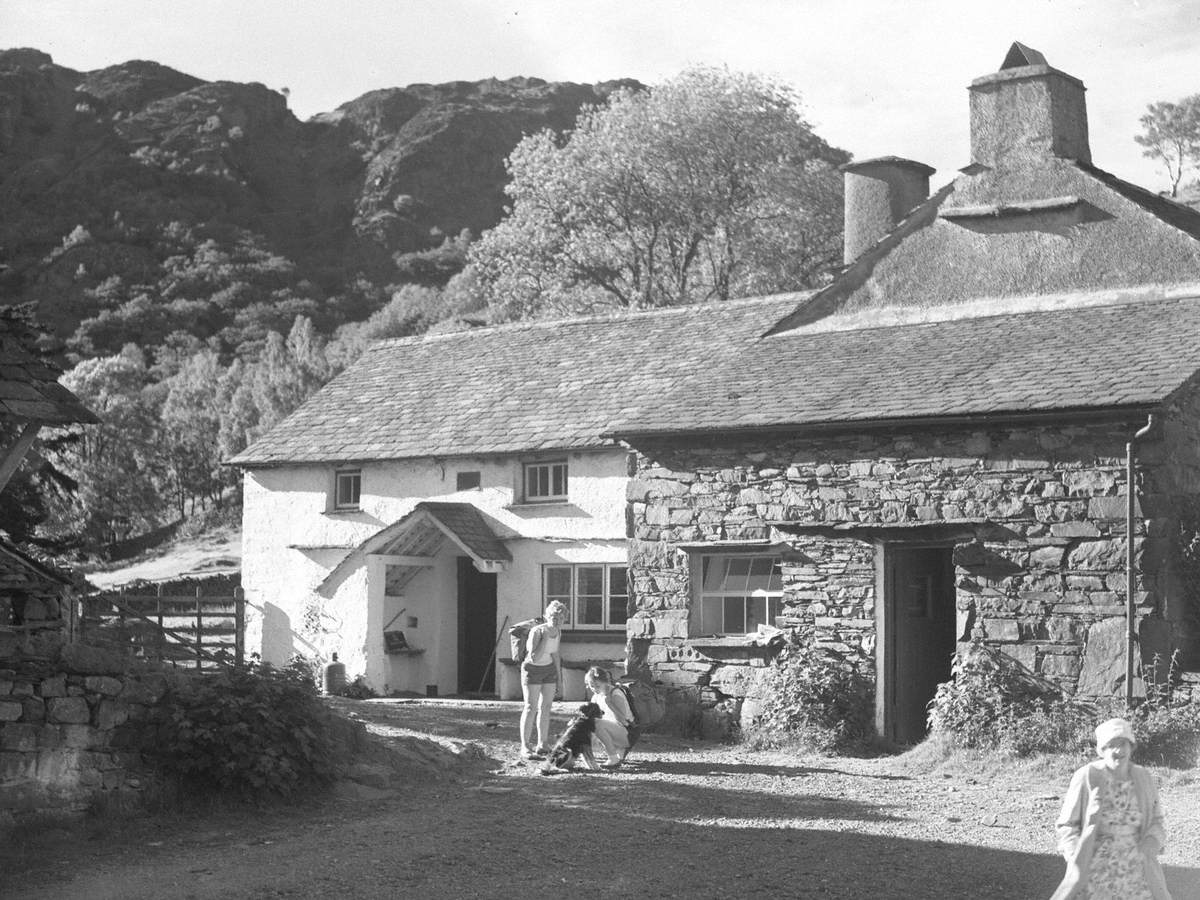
x=136, y=188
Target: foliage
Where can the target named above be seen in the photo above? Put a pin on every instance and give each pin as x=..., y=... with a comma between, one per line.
x=357, y=689
x=708, y=186
x=994, y=706
x=247, y=732
x=1171, y=134
x=818, y=697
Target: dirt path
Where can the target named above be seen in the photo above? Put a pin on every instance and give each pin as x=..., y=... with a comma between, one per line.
x=684, y=819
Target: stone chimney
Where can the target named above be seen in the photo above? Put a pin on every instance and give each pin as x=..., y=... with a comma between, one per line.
x=1027, y=111
x=878, y=194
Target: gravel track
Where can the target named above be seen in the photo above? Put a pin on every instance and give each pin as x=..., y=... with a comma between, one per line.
x=466, y=818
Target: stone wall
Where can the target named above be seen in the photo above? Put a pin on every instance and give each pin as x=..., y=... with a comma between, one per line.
x=1037, y=516
x=70, y=726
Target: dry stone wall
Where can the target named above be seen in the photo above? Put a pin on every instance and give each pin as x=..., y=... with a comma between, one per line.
x=1037, y=516
x=70, y=729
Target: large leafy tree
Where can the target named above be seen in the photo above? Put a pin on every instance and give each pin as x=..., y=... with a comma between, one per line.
x=1171, y=134
x=709, y=186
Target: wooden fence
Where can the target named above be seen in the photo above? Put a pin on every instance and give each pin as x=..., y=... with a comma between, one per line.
x=185, y=630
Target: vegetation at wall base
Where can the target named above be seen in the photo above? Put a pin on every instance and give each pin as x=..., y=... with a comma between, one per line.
x=991, y=704
x=249, y=733
x=817, y=698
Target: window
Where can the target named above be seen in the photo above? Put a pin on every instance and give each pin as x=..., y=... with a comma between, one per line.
x=737, y=594
x=466, y=481
x=347, y=489
x=596, y=596
x=545, y=481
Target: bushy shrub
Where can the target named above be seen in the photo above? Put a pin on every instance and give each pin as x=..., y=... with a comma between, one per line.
x=995, y=704
x=246, y=732
x=816, y=697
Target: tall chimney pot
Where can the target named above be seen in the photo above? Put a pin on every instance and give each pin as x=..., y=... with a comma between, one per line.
x=1027, y=111
x=878, y=194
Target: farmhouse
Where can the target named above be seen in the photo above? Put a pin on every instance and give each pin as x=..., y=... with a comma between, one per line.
x=447, y=486
x=935, y=448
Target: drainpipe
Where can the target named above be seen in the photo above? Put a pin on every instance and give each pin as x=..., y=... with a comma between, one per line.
x=1130, y=573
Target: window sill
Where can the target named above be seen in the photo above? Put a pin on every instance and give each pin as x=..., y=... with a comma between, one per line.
x=738, y=646
x=538, y=504
x=342, y=512
x=583, y=635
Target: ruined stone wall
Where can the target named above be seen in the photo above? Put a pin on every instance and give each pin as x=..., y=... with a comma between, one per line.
x=1040, y=551
x=69, y=731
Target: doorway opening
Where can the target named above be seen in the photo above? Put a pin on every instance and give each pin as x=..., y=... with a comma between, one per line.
x=917, y=635
x=476, y=629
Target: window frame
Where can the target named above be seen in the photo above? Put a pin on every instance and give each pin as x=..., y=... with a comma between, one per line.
x=572, y=597
x=548, y=466
x=772, y=599
x=338, y=505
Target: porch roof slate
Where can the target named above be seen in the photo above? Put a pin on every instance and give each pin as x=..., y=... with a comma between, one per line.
x=29, y=387
x=552, y=385
x=1080, y=358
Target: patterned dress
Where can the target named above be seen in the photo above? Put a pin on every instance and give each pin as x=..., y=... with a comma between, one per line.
x=1117, y=871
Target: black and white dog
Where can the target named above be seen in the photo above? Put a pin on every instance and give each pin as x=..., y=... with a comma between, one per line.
x=575, y=742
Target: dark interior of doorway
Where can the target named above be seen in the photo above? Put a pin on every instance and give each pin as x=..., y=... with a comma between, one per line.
x=921, y=629
x=476, y=629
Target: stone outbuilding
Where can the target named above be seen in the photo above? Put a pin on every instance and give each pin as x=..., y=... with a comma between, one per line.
x=937, y=447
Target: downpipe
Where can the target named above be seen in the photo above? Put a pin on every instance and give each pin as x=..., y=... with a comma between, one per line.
x=1130, y=571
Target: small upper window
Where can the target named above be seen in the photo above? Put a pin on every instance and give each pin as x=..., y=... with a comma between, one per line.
x=347, y=489
x=545, y=481
x=466, y=481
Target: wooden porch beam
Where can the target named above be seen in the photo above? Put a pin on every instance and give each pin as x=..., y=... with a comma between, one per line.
x=14, y=454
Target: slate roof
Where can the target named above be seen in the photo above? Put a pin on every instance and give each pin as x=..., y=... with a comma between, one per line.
x=1081, y=358
x=468, y=525
x=514, y=388
x=29, y=387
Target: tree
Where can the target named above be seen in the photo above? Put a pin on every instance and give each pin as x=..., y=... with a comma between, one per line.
x=1172, y=136
x=703, y=188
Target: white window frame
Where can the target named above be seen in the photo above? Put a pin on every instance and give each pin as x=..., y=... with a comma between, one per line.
x=342, y=501
x=538, y=481
x=772, y=600
x=573, y=597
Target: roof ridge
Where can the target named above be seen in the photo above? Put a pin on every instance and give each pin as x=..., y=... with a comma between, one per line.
x=596, y=318
x=1147, y=199
x=916, y=317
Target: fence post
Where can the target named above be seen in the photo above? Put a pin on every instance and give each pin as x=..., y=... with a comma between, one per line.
x=239, y=624
x=160, y=638
x=199, y=632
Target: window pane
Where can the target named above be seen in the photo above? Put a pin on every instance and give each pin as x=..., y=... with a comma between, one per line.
x=560, y=480
x=558, y=583
x=591, y=610
x=756, y=612
x=714, y=573
x=711, y=616
x=618, y=595
x=762, y=568
x=735, y=615
x=591, y=580
x=348, y=488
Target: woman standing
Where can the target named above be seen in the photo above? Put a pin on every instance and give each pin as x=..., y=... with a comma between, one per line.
x=541, y=679
x=612, y=730
x=1111, y=825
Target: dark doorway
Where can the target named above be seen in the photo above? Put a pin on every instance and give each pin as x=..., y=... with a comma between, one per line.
x=476, y=628
x=918, y=633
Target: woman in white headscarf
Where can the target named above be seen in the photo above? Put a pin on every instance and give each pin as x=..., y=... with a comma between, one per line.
x=1110, y=829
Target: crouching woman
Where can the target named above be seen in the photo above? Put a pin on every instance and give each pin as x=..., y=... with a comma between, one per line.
x=612, y=730
x=1111, y=825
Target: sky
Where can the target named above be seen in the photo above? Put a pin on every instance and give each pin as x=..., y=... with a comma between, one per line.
x=876, y=77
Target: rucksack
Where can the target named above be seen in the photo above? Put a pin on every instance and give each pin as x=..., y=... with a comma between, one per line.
x=518, y=638
x=645, y=704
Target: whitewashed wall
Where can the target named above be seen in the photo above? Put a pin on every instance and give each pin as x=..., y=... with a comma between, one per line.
x=292, y=540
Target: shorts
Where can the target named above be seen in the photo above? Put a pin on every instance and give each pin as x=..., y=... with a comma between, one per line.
x=547, y=674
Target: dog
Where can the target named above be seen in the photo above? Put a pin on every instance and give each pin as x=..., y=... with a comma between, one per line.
x=575, y=743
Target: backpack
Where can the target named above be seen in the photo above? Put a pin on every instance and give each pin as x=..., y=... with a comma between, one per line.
x=645, y=704
x=518, y=638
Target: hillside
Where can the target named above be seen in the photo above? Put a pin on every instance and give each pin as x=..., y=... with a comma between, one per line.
x=137, y=197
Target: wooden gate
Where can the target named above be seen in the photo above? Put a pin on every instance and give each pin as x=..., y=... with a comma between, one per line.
x=183, y=629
